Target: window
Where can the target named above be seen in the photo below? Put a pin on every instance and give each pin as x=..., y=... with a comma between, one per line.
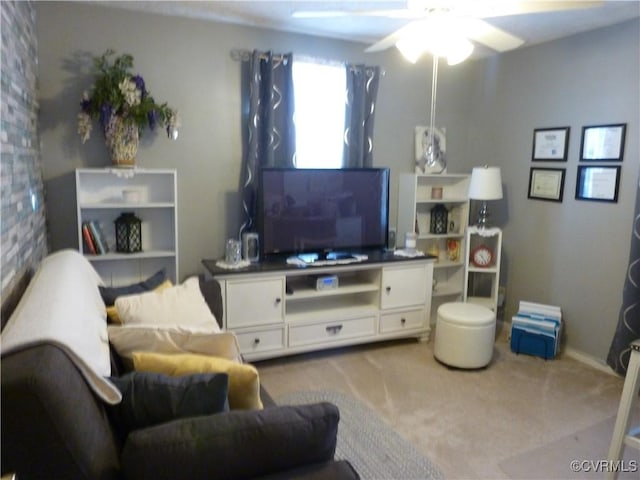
x=319, y=91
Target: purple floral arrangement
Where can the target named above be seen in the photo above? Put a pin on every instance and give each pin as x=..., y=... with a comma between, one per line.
x=119, y=96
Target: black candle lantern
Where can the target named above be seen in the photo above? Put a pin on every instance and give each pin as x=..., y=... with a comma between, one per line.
x=128, y=233
x=439, y=216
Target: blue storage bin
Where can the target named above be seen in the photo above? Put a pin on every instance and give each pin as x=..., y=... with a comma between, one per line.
x=531, y=343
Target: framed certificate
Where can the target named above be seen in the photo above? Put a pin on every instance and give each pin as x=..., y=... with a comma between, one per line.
x=550, y=144
x=598, y=183
x=546, y=184
x=603, y=142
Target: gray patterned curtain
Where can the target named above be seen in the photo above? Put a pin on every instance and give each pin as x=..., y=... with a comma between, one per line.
x=628, y=328
x=362, y=90
x=269, y=139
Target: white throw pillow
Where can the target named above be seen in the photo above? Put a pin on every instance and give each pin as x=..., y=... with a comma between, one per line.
x=173, y=339
x=179, y=305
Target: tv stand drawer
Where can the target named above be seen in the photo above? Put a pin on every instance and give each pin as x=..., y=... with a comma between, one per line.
x=331, y=331
x=400, y=321
x=261, y=340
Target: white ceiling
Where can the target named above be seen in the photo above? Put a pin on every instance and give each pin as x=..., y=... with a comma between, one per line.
x=277, y=15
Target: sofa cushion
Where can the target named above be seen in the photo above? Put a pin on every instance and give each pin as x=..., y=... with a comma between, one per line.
x=127, y=339
x=53, y=425
x=110, y=294
x=112, y=311
x=179, y=305
x=62, y=306
x=244, y=383
x=212, y=294
x=153, y=398
x=234, y=445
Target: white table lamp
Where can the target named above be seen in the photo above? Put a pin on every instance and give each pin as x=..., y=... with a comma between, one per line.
x=486, y=184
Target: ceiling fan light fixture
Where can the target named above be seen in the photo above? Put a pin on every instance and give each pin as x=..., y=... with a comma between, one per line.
x=410, y=49
x=459, y=51
x=454, y=47
x=446, y=39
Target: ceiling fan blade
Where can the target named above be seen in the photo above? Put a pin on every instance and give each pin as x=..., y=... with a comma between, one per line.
x=503, y=8
x=493, y=37
x=390, y=40
x=406, y=14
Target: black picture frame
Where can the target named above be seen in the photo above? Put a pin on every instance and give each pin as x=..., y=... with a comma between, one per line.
x=598, y=183
x=603, y=143
x=546, y=184
x=550, y=144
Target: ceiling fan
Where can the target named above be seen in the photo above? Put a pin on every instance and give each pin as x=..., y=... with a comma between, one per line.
x=459, y=19
x=446, y=28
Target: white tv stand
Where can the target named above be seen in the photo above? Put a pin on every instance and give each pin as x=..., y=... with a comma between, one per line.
x=276, y=310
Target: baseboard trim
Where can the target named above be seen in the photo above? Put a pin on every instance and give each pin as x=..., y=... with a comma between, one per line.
x=588, y=360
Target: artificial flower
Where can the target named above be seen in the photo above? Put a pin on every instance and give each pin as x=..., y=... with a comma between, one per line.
x=119, y=95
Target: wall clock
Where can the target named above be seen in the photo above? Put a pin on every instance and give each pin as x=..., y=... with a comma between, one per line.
x=482, y=256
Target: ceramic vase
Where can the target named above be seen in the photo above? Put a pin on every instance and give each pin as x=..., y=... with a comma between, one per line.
x=122, y=141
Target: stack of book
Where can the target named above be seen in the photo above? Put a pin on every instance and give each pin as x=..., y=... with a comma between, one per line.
x=535, y=329
x=94, y=240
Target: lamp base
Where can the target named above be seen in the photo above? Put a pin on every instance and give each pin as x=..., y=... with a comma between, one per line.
x=483, y=216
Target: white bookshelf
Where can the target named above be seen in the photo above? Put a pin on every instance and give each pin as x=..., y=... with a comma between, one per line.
x=415, y=202
x=101, y=198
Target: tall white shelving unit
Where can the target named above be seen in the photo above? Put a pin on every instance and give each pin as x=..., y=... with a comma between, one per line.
x=481, y=285
x=415, y=201
x=102, y=194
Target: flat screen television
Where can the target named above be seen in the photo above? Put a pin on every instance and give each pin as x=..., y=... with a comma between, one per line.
x=322, y=212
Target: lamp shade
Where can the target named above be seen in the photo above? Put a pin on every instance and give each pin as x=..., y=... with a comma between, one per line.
x=486, y=183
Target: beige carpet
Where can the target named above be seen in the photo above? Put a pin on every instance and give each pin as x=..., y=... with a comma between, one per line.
x=553, y=460
x=374, y=450
x=471, y=424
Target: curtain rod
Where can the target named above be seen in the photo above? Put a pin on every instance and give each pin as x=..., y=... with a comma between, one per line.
x=243, y=55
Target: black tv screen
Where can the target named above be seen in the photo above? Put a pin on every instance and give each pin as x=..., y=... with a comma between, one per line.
x=322, y=210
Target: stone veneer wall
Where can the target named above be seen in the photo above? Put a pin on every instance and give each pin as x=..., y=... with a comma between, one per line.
x=23, y=231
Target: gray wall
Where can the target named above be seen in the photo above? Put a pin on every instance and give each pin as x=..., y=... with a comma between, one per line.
x=555, y=253
x=23, y=231
x=573, y=253
x=187, y=63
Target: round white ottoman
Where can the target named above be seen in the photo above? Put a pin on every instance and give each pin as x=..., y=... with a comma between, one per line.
x=465, y=334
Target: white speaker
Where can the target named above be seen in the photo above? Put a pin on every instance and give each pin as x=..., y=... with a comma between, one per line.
x=250, y=247
x=391, y=239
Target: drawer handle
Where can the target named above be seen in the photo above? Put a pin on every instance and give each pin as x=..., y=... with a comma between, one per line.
x=388, y=289
x=256, y=341
x=403, y=321
x=334, y=329
x=278, y=300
